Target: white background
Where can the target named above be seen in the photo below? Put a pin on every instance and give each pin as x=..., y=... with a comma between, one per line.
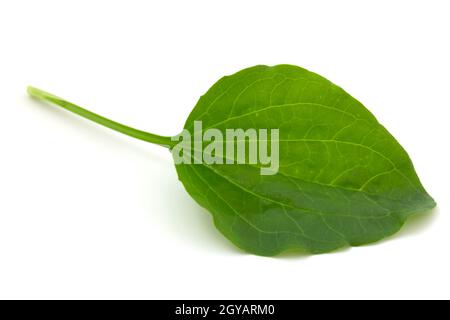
x=88, y=213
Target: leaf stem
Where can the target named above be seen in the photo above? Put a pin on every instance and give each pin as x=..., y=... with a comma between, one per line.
x=138, y=134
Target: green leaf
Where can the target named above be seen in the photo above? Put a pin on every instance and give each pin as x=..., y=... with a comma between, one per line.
x=343, y=179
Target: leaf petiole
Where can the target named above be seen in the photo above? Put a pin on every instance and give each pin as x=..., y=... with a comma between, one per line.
x=138, y=134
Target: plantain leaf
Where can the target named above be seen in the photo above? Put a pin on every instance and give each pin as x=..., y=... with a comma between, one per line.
x=343, y=179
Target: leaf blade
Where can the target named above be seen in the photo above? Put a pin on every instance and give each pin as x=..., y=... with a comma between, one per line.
x=343, y=179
